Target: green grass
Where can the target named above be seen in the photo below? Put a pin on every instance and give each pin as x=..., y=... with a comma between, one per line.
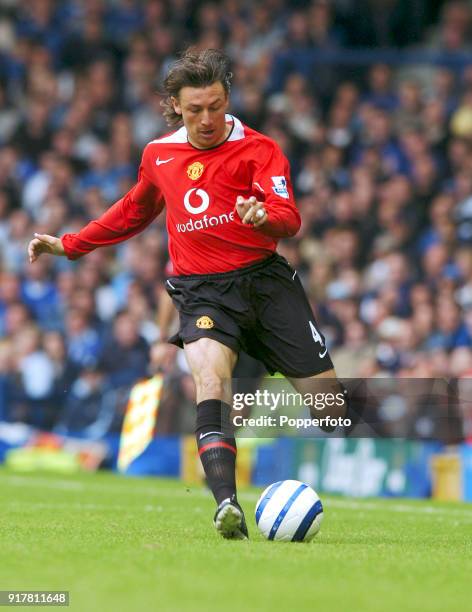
x=144, y=544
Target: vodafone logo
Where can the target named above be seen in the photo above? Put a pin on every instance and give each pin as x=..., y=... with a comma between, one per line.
x=201, y=197
x=204, y=199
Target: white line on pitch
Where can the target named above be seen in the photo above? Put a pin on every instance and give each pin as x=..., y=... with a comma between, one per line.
x=361, y=504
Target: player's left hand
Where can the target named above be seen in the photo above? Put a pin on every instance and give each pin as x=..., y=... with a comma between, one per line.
x=162, y=357
x=251, y=211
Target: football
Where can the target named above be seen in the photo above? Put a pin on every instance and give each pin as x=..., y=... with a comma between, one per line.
x=289, y=511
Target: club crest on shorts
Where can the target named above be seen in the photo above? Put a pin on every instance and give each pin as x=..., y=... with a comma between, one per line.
x=195, y=170
x=205, y=323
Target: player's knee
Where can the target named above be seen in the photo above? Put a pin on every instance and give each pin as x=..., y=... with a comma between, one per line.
x=210, y=386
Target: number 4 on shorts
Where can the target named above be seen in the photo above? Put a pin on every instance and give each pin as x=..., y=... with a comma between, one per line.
x=317, y=338
x=316, y=334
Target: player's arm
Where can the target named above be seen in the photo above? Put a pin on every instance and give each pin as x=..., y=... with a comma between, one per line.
x=272, y=210
x=124, y=219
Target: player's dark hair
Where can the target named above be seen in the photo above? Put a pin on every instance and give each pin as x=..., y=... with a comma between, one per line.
x=194, y=69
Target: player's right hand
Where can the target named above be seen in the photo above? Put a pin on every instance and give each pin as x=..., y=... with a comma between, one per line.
x=43, y=243
x=250, y=211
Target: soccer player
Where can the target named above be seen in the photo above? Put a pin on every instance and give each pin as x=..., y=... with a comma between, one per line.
x=228, y=196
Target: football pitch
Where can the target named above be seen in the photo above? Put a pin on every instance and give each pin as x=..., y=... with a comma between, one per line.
x=132, y=544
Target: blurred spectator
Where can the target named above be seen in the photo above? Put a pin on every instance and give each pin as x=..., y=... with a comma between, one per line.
x=39, y=293
x=88, y=411
x=33, y=134
x=380, y=92
x=124, y=357
x=83, y=340
x=64, y=371
x=36, y=376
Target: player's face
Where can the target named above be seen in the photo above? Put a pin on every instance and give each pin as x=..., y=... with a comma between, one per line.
x=203, y=113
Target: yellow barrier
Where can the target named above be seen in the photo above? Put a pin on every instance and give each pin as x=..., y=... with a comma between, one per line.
x=140, y=420
x=192, y=471
x=447, y=477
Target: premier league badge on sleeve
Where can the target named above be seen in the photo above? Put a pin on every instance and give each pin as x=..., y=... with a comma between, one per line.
x=280, y=186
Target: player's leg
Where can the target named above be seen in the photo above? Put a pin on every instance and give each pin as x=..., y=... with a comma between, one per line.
x=288, y=340
x=349, y=404
x=211, y=364
x=327, y=385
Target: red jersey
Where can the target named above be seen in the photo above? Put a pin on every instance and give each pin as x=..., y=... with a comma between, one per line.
x=199, y=188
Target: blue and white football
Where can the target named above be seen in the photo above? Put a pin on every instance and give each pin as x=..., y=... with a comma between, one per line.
x=289, y=511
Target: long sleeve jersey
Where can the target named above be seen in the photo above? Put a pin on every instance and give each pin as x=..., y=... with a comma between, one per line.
x=198, y=188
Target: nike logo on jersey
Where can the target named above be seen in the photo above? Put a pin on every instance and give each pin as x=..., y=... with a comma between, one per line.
x=163, y=161
x=209, y=433
x=321, y=355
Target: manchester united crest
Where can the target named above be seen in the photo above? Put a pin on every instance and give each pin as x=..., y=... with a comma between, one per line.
x=205, y=323
x=195, y=170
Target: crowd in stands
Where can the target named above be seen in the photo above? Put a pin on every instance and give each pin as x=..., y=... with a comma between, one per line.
x=381, y=158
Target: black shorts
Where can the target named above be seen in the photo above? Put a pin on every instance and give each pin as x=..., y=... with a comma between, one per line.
x=261, y=309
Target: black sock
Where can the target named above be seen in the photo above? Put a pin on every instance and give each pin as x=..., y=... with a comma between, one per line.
x=217, y=447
